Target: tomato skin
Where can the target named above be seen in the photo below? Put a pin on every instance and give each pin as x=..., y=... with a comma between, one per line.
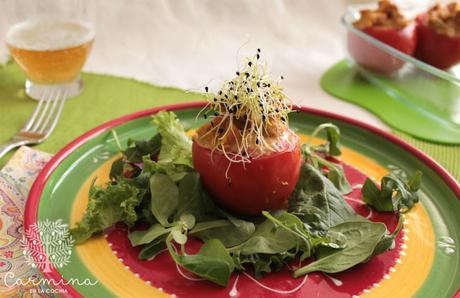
x=373, y=58
x=263, y=184
x=439, y=50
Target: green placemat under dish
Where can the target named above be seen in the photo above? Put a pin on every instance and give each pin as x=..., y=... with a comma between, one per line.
x=423, y=106
x=103, y=98
x=343, y=81
x=107, y=97
x=447, y=155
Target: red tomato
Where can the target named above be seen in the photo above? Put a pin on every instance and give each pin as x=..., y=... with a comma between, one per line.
x=440, y=50
x=373, y=58
x=263, y=184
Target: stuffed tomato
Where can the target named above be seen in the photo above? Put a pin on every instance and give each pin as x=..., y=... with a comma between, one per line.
x=387, y=25
x=248, y=158
x=438, y=33
x=264, y=183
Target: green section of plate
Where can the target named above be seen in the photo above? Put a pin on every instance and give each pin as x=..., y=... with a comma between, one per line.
x=434, y=117
x=439, y=200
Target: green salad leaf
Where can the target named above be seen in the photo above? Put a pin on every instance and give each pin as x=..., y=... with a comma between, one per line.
x=212, y=262
x=396, y=194
x=107, y=206
x=152, y=249
x=332, y=147
x=362, y=239
x=154, y=185
x=176, y=146
x=137, y=149
x=317, y=202
x=164, y=198
x=147, y=236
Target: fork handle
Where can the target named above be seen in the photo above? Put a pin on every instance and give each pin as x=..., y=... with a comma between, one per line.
x=8, y=146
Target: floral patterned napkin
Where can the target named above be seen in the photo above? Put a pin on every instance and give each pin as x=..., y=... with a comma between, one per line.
x=16, y=178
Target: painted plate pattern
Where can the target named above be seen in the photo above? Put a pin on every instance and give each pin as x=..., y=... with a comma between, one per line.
x=424, y=262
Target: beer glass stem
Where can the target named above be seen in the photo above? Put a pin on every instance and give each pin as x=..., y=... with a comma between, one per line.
x=37, y=91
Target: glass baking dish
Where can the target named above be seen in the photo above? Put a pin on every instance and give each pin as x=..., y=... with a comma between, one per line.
x=433, y=91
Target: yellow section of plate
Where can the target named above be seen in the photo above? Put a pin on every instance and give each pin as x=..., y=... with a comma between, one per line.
x=97, y=255
x=405, y=278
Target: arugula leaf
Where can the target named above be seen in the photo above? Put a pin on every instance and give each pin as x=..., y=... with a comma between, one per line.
x=318, y=203
x=395, y=194
x=147, y=236
x=137, y=149
x=152, y=249
x=362, y=239
x=234, y=233
x=116, y=171
x=165, y=198
x=263, y=263
x=107, y=206
x=332, y=147
x=212, y=262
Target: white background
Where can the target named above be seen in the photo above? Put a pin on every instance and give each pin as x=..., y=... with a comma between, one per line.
x=188, y=44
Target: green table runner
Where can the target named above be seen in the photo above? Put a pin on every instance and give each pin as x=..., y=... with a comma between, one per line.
x=103, y=98
x=107, y=97
x=343, y=82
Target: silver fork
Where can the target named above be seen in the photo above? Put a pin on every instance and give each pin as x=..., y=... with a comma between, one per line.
x=40, y=124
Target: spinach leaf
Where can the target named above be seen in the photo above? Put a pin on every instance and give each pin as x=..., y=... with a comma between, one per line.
x=336, y=175
x=267, y=239
x=293, y=225
x=318, y=203
x=212, y=262
x=234, y=234
x=362, y=239
x=395, y=194
x=165, y=198
x=387, y=241
x=193, y=199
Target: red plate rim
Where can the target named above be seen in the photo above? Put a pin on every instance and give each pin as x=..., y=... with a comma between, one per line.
x=31, y=209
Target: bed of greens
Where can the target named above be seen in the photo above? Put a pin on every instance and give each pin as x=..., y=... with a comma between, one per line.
x=154, y=185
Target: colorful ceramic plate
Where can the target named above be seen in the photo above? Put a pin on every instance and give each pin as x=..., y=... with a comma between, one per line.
x=424, y=263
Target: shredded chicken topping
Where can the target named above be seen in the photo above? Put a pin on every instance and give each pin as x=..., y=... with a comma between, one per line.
x=387, y=15
x=445, y=19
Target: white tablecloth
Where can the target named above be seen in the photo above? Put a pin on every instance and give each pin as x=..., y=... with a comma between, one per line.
x=188, y=44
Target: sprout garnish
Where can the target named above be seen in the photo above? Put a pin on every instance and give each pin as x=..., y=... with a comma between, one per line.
x=246, y=110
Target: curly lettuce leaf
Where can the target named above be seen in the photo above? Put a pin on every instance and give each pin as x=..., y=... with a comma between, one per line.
x=107, y=206
x=176, y=146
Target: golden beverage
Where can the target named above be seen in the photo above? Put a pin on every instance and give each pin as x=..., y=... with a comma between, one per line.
x=50, y=51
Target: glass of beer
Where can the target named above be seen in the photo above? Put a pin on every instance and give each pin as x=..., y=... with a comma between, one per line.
x=50, y=40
